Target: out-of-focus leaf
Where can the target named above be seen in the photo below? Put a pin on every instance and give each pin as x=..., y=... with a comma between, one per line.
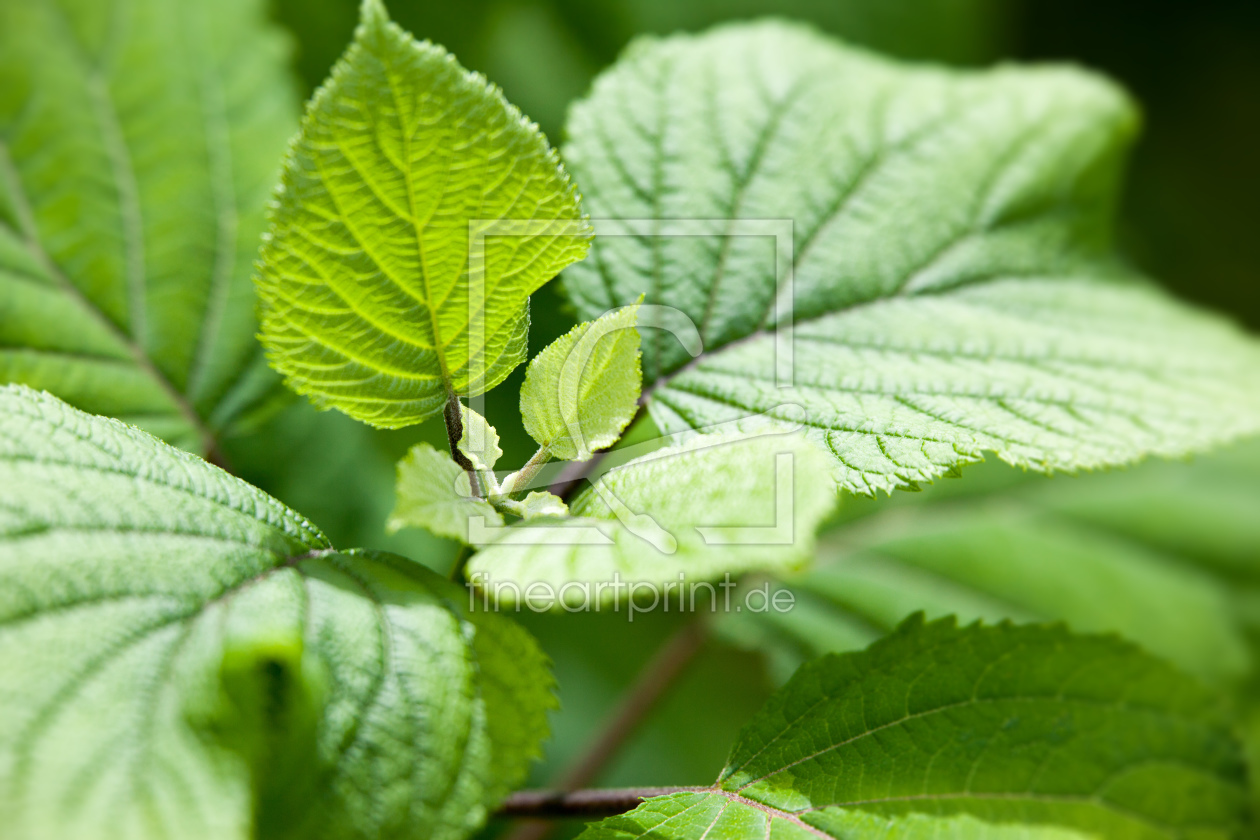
x=435, y=493
x=138, y=144
x=1165, y=554
x=185, y=656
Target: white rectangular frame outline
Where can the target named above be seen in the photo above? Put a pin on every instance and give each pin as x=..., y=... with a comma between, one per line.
x=781, y=230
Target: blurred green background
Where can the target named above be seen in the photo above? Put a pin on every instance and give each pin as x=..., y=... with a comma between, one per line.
x=1188, y=218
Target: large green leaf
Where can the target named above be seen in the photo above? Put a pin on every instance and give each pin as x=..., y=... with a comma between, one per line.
x=981, y=732
x=373, y=300
x=184, y=656
x=138, y=143
x=681, y=515
x=949, y=277
x=1164, y=554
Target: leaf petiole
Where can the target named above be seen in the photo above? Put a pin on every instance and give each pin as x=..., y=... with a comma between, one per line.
x=520, y=479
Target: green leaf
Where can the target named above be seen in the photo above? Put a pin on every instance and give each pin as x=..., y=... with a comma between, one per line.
x=480, y=440
x=434, y=493
x=138, y=143
x=694, y=512
x=184, y=656
x=948, y=273
x=372, y=301
x=541, y=503
x=979, y=732
x=582, y=391
x=1163, y=554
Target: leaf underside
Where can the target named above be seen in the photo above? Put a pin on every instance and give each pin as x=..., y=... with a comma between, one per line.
x=668, y=517
x=370, y=294
x=979, y=732
x=1163, y=554
x=184, y=656
x=138, y=143
x=953, y=285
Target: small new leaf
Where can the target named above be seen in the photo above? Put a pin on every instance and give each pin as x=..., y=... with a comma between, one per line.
x=183, y=656
x=480, y=440
x=542, y=503
x=434, y=493
x=962, y=733
x=715, y=505
x=417, y=212
x=582, y=391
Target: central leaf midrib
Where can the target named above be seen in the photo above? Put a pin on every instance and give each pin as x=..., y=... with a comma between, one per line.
x=439, y=349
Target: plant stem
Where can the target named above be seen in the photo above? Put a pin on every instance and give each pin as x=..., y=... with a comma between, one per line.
x=573, y=474
x=601, y=802
x=520, y=479
x=653, y=680
x=455, y=431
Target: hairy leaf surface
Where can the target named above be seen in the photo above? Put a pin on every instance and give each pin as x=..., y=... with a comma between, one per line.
x=979, y=732
x=951, y=286
x=480, y=441
x=184, y=656
x=138, y=143
x=1163, y=554
x=373, y=301
x=583, y=389
x=693, y=512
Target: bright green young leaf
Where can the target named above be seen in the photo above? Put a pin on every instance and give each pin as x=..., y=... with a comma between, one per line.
x=480, y=440
x=434, y=493
x=942, y=733
x=948, y=274
x=138, y=144
x=690, y=513
x=374, y=299
x=582, y=391
x=185, y=657
x=541, y=503
x=1164, y=554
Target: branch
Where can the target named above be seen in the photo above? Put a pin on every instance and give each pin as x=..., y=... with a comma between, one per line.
x=649, y=686
x=606, y=802
x=570, y=479
x=455, y=431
